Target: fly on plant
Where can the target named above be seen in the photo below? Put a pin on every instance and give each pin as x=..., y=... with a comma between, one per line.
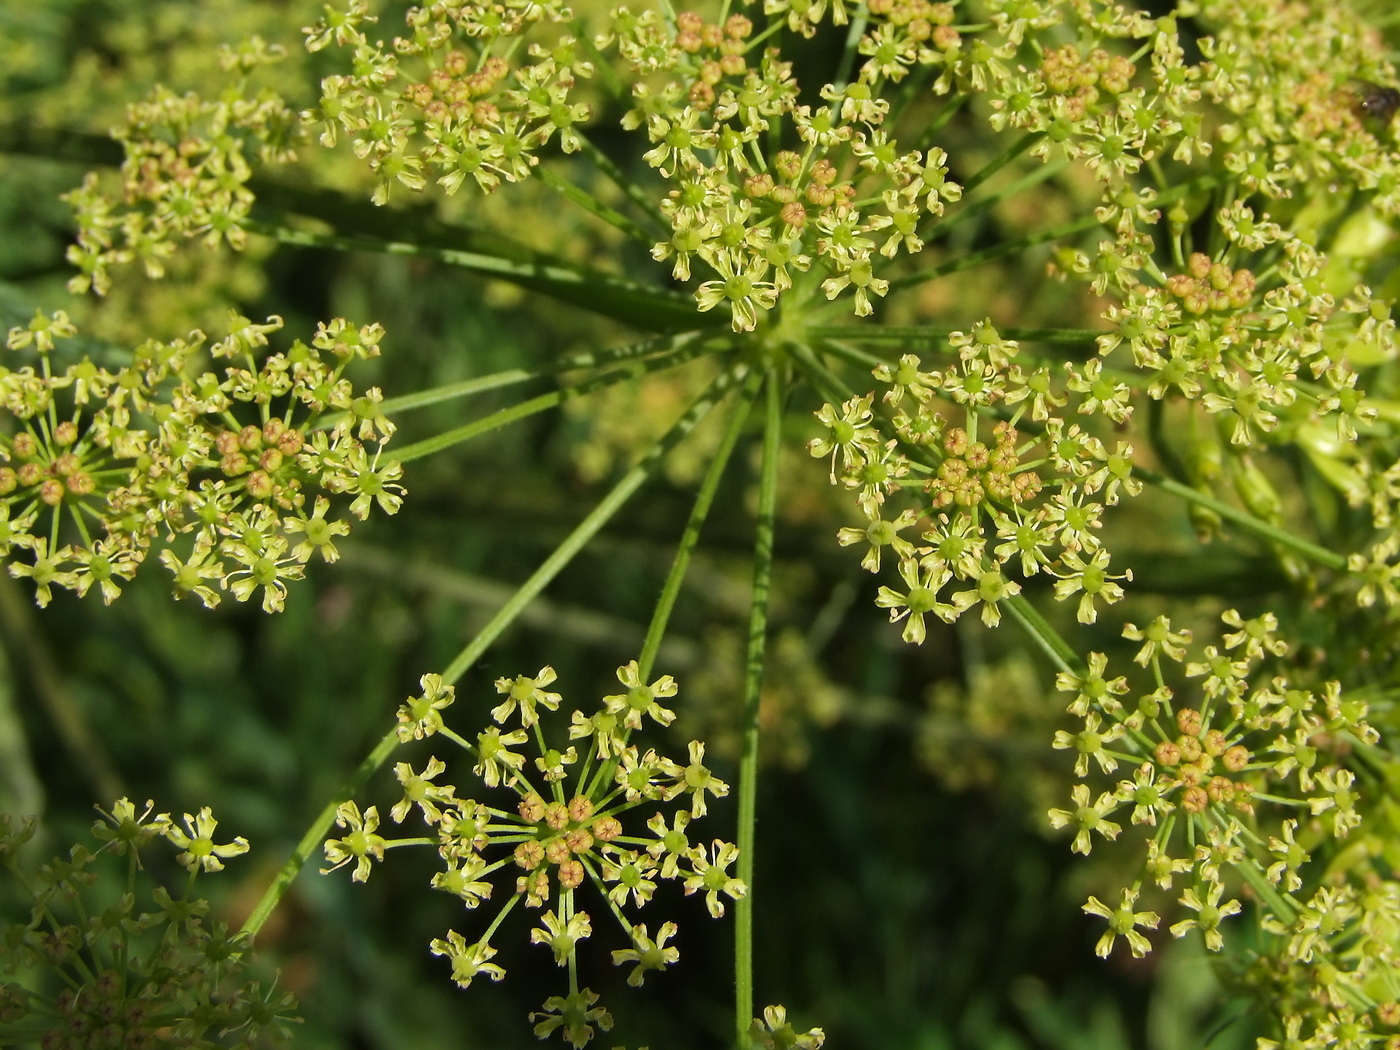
x=1376, y=101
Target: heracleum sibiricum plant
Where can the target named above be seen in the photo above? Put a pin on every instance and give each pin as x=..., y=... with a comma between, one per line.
x=1234, y=181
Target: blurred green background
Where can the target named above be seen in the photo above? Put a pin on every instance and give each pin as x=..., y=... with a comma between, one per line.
x=908, y=892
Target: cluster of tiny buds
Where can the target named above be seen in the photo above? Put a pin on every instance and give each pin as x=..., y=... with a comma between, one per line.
x=1210, y=285
x=922, y=20
x=723, y=47
x=1066, y=71
x=972, y=472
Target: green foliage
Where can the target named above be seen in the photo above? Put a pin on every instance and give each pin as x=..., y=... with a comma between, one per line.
x=96, y=965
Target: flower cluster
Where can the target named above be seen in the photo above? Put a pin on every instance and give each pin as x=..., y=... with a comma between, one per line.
x=989, y=502
x=454, y=98
x=134, y=972
x=188, y=162
x=1258, y=320
x=563, y=826
x=1236, y=774
x=231, y=474
x=842, y=194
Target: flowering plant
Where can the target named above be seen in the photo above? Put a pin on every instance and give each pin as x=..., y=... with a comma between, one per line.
x=810, y=206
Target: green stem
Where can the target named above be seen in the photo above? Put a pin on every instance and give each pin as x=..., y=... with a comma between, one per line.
x=602, y=67
x=635, y=193
x=596, y=519
x=527, y=591
x=511, y=376
x=860, y=333
x=645, y=307
x=1251, y=871
x=826, y=382
x=61, y=144
x=449, y=392
x=688, y=347
x=975, y=208
x=1011, y=152
x=848, y=55
x=753, y=689
x=316, y=833
x=1011, y=247
x=1046, y=637
x=853, y=355
x=670, y=590
x=591, y=204
x=1320, y=555
x=934, y=126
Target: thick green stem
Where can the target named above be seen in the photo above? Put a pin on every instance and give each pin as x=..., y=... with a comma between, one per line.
x=527, y=591
x=1045, y=637
x=642, y=306
x=1012, y=247
x=689, y=346
x=753, y=690
x=1248, y=522
x=670, y=590
x=591, y=204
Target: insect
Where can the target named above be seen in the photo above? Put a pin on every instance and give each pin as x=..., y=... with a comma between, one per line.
x=1376, y=101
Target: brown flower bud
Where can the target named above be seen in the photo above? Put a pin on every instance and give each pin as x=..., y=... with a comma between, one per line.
x=1194, y=800
x=605, y=829
x=571, y=874
x=580, y=808
x=531, y=808
x=529, y=855
x=579, y=840
x=1235, y=758
x=556, y=815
